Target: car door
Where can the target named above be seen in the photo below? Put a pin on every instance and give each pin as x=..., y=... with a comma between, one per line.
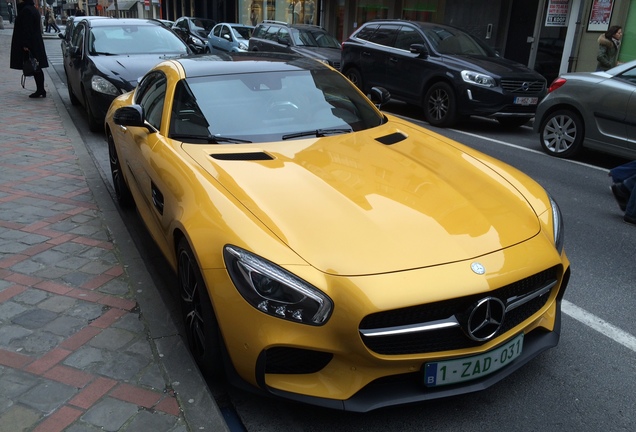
x=75, y=59
x=375, y=54
x=225, y=40
x=406, y=72
x=629, y=78
x=214, y=38
x=141, y=155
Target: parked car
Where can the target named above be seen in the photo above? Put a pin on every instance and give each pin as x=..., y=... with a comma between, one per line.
x=194, y=32
x=106, y=57
x=166, y=23
x=334, y=254
x=68, y=30
x=590, y=109
x=446, y=71
x=228, y=37
x=303, y=39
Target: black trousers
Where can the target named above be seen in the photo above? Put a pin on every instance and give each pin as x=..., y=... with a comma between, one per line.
x=39, y=80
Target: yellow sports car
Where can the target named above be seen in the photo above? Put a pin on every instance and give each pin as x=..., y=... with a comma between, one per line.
x=329, y=253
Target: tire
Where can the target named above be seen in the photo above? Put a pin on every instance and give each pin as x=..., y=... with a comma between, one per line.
x=74, y=100
x=93, y=123
x=122, y=192
x=201, y=326
x=512, y=122
x=355, y=77
x=440, y=106
x=561, y=133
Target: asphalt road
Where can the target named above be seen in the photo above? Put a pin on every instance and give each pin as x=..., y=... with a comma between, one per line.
x=585, y=384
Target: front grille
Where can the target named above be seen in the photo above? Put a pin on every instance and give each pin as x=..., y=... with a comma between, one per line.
x=523, y=87
x=451, y=338
x=336, y=65
x=283, y=360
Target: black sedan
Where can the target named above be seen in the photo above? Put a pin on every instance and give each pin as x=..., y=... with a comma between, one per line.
x=105, y=57
x=194, y=32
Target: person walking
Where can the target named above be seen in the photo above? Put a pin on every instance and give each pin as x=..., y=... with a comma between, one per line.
x=10, y=11
x=608, y=44
x=52, y=25
x=27, y=38
x=624, y=189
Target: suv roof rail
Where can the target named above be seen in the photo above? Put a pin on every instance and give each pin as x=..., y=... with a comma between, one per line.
x=276, y=22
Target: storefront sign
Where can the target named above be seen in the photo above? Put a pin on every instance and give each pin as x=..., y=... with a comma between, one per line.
x=557, y=15
x=600, y=15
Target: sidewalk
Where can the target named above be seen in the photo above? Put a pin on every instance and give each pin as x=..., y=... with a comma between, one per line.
x=86, y=342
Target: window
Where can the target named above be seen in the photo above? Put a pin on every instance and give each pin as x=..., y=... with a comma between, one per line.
x=406, y=37
x=385, y=35
x=150, y=95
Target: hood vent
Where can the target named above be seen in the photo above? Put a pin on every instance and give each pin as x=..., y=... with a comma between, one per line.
x=393, y=138
x=256, y=156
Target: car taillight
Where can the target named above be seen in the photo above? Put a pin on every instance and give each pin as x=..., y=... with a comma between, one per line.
x=556, y=84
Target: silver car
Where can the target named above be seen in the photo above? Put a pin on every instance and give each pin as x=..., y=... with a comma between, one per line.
x=229, y=37
x=596, y=110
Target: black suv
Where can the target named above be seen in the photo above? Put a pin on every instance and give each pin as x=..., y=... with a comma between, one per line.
x=448, y=72
x=194, y=32
x=304, y=39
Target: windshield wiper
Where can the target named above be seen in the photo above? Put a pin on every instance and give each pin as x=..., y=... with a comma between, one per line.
x=318, y=133
x=210, y=139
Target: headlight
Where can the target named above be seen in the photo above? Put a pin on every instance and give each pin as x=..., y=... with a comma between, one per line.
x=102, y=85
x=243, y=46
x=557, y=221
x=196, y=41
x=274, y=290
x=478, y=79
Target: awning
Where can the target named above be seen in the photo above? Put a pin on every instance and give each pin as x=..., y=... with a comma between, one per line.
x=122, y=5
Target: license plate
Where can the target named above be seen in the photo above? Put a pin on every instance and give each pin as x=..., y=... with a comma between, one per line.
x=526, y=100
x=470, y=368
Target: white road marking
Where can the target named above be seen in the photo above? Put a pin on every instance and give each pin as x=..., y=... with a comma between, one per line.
x=601, y=326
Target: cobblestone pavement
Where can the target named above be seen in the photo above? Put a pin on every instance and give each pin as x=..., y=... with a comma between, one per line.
x=80, y=350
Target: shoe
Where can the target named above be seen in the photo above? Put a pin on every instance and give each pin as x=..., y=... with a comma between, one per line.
x=38, y=94
x=620, y=194
x=629, y=220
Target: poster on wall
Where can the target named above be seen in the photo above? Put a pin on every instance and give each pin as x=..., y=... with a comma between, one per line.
x=600, y=15
x=557, y=15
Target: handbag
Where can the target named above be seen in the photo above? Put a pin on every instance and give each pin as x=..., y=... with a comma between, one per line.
x=30, y=65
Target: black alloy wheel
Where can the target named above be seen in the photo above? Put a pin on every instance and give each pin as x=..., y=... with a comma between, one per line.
x=122, y=193
x=440, y=107
x=561, y=133
x=201, y=327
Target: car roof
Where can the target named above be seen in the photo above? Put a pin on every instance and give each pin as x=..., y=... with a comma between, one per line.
x=235, y=24
x=248, y=62
x=421, y=24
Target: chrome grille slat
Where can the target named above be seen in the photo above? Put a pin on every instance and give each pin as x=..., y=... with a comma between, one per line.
x=517, y=86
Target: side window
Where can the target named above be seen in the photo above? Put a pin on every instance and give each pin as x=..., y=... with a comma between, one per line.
x=150, y=95
x=225, y=33
x=366, y=32
x=406, y=37
x=77, y=40
x=260, y=31
x=385, y=35
x=271, y=33
x=283, y=34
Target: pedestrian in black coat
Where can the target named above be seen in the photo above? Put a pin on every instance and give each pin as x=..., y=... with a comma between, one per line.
x=27, y=37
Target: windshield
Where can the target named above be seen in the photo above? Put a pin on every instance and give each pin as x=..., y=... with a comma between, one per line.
x=452, y=41
x=268, y=106
x=314, y=38
x=203, y=25
x=134, y=39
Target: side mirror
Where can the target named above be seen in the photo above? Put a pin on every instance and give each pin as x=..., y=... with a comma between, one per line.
x=420, y=50
x=132, y=115
x=283, y=41
x=379, y=96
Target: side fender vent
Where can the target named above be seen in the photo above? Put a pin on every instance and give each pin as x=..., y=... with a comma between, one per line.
x=258, y=156
x=392, y=138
